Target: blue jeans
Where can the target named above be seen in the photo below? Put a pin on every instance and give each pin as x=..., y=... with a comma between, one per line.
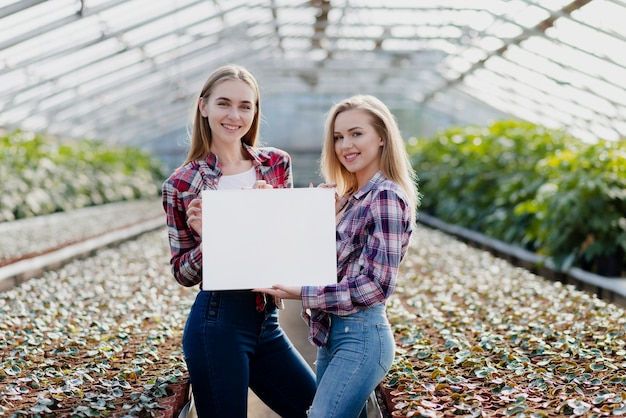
x=230, y=346
x=358, y=354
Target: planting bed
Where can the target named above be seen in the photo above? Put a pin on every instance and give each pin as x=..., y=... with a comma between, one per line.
x=478, y=337
x=98, y=337
x=475, y=336
x=30, y=237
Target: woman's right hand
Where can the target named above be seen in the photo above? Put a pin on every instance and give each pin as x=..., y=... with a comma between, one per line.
x=341, y=202
x=194, y=215
x=262, y=184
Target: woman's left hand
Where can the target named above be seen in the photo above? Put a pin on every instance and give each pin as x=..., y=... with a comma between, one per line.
x=283, y=292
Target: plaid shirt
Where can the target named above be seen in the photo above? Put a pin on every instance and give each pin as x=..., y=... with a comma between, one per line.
x=186, y=183
x=372, y=237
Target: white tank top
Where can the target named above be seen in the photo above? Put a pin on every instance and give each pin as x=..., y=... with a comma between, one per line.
x=237, y=181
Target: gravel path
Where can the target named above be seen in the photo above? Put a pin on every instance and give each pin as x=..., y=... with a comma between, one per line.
x=25, y=238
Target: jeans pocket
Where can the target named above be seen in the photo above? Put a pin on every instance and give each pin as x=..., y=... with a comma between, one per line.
x=387, y=346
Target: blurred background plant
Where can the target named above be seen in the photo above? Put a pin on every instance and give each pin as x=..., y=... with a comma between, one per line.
x=531, y=186
x=42, y=175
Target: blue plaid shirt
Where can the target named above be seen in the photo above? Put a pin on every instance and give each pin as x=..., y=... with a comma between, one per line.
x=373, y=235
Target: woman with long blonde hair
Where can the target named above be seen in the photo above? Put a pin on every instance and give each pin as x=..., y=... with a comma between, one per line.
x=365, y=157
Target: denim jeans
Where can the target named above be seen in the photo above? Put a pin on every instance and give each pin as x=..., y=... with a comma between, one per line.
x=230, y=346
x=358, y=354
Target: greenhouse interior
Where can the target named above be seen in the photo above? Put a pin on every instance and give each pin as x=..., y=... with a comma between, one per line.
x=510, y=299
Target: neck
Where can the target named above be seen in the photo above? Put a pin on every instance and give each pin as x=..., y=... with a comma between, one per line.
x=229, y=154
x=362, y=178
x=232, y=160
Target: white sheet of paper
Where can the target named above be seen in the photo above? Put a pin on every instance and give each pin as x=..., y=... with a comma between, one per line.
x=258, y=238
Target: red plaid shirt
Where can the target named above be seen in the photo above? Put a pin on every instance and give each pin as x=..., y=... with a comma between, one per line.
x=372, y=238
x=187, y=182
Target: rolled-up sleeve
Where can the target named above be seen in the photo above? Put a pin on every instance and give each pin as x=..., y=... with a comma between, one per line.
x=367, y=276
x=186, y=256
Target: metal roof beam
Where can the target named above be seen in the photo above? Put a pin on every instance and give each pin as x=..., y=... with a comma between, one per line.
x=18, y=7
x=42, y=30
x=541, y=27
x=77, y=47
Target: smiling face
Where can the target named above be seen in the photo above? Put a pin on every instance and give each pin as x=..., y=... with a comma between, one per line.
x=357, y=144
x=230, y=111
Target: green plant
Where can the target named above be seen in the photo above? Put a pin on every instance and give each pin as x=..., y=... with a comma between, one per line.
x=579, y=213
x=474, y=176
x=529, y=186
x=42, y=175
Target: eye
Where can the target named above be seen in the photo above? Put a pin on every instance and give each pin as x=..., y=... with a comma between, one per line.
x=357, y=133
x=246, y=107
x=222, y=104
x=338, y=137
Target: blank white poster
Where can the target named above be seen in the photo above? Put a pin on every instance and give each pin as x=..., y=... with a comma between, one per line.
x=257, y=238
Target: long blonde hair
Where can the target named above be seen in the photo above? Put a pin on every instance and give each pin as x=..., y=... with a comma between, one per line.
x=394, y=159
x=200, y=134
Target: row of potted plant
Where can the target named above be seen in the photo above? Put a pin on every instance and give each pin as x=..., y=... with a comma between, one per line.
x=99, y=337
x=538, y=188
x=475, y=336
x=478, y=337
x=42, y=175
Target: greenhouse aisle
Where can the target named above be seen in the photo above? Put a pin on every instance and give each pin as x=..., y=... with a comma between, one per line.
x=297, y=331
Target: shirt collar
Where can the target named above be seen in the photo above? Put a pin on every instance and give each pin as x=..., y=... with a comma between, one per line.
x=258, y=157
x=371, y=184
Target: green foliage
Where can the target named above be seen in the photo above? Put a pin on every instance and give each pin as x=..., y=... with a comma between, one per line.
x=527, y=185
x=41, y=175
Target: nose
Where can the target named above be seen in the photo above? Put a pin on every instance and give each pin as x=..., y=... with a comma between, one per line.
x=346, y=142
x=233, y=112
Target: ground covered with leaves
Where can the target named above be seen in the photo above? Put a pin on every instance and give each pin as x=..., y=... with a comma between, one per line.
x=98, y=337
x=478, y=337
x=475, y=336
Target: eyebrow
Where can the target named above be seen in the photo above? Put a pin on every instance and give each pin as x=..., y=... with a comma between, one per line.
x=351, y=129
x=230, y=100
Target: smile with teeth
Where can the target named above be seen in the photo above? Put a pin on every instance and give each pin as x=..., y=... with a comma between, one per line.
x=350, y=157
x=231, y=127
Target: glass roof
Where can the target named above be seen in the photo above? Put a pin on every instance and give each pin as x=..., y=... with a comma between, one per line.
x=127, y=71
